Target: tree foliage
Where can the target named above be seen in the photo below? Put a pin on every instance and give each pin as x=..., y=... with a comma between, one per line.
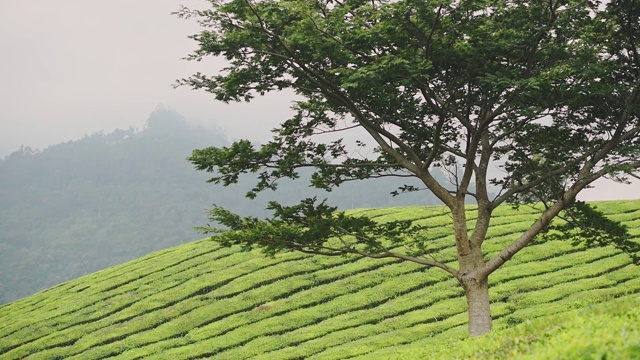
x=536, y=98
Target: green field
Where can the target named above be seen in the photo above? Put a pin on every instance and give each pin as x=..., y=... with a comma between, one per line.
x=198, y=300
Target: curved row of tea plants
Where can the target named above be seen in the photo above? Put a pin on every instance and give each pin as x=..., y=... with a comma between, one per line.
x=202, y=301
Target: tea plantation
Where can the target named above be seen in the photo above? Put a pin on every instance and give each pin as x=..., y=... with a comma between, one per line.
x=198, y=300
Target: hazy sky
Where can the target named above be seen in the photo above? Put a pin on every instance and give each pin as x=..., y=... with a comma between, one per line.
x=73, y=67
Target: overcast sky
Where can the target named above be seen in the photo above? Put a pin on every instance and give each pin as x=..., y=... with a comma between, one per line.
x=71, y=67
x=74, y=67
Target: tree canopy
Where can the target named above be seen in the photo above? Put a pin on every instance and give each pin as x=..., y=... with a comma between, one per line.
x=535, y=99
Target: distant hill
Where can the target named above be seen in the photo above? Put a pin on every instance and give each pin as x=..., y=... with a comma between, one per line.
x=198, y=300
x=85, y=205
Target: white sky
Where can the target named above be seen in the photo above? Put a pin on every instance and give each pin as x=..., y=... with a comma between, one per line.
x=74, y=67
x=71, y=67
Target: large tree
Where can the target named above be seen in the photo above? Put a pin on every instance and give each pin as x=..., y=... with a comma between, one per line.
x=536, y=98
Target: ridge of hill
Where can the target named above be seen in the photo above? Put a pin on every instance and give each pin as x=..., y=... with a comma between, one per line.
x=198, y=301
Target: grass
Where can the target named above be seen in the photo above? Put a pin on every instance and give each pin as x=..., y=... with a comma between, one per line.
x=198, y=300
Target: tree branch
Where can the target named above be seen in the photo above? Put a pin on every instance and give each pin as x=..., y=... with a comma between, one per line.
x=414, y=259
x=584, y=179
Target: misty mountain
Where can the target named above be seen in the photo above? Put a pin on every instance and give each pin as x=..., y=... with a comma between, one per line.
x=84, y=205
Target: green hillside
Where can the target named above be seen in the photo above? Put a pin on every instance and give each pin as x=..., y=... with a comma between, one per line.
x=201, y=301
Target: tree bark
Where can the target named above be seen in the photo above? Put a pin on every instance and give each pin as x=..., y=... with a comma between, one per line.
x=471, y=261
x=477, y=294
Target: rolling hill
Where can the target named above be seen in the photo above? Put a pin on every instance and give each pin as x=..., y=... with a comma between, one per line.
x=198, y=300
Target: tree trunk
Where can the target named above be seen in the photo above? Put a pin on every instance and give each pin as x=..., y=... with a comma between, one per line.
x=477, y=294
x=471, y=260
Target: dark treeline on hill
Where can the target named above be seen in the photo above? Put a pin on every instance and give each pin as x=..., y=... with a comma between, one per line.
x=84, y=205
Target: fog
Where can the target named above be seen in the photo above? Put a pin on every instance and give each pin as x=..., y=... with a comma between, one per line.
x=74, y=67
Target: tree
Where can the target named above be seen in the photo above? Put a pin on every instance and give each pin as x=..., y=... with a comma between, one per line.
x=535, y=98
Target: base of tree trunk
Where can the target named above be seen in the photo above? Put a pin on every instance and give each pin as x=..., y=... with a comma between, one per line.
x=477, y=294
